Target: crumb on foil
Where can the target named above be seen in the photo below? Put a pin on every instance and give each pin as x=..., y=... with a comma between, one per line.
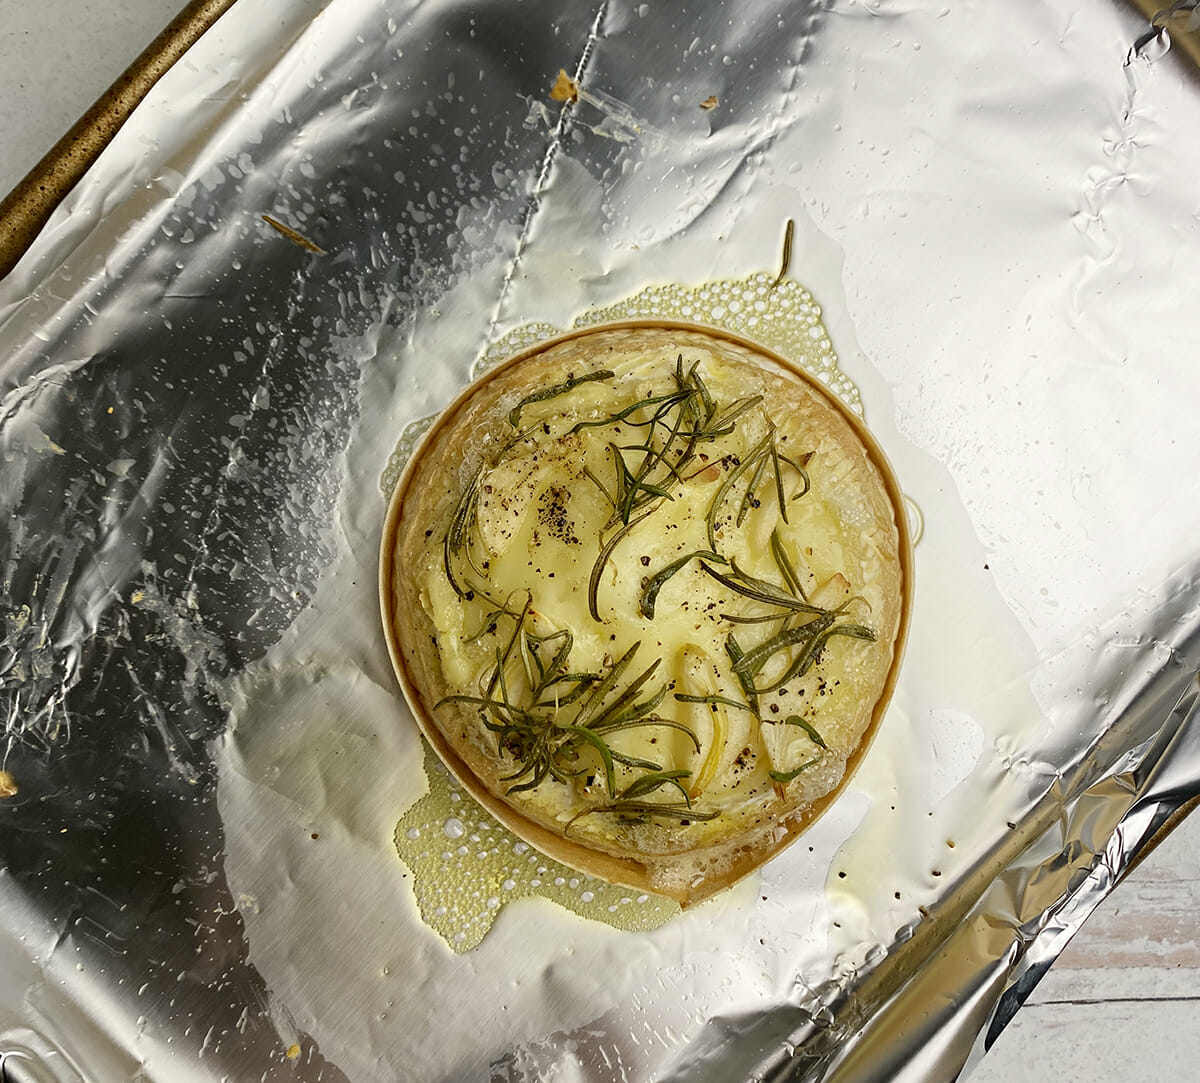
x=565, y=88
x=711, y=102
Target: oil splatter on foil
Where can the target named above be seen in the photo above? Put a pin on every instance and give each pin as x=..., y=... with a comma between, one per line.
x=206, y=756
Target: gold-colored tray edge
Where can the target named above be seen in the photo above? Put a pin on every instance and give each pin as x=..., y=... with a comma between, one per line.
x=25, y=210
x=1178, y=20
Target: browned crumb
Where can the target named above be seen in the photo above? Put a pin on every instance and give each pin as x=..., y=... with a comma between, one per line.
x=711, y=102
x=8, y=785
x=565, y=88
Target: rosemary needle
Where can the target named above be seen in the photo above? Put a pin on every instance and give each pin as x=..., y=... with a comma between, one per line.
x=572, y=382
x=785, y=264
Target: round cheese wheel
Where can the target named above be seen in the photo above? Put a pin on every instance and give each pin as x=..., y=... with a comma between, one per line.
x=645, y=587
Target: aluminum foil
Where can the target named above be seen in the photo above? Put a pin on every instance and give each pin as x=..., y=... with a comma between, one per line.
x=996, y=211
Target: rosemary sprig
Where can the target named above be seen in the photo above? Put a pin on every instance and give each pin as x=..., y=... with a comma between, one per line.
x=810, y=653
x=787, y=776
x=656, y=720
x=748, y=498
x=458, y=535
x=671, y=398
x=752, y=662
x=759, y=590
x=572, y=382
x=657, y=581
x=784, y=564
x=606, y=551
x=725, y=423
x=633, y=491
x=549, y=674
x=813, y=735
x=779, y=494
x=502, y=656
x=745, y=464
x=545, y=745
x=803, y=625
x=599, y=744
x=491, y=619
x=647, y=784
x=712, y=700
x=636, y=761
x=607, y=682
x=706, y=407
x=756, y=460
x=676, y=423
x=625, y=706
x=582, y=682
x=736, y=654
x=644, y=810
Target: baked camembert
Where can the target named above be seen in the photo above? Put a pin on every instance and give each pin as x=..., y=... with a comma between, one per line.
x=645, y=588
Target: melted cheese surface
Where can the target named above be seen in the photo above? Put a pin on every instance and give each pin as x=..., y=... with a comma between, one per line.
x=537, y=550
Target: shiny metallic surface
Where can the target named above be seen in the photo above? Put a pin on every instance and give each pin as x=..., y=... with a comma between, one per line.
x=996, y=210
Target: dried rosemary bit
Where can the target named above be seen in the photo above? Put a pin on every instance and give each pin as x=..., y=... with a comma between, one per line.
x=293, y=235
x=565, y=89
x=789, y=235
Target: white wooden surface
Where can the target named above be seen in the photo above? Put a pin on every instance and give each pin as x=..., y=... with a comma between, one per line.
x=56, y=58
x=1122, y=1003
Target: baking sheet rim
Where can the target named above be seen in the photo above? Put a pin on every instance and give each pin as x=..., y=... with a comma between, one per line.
x=27, y=208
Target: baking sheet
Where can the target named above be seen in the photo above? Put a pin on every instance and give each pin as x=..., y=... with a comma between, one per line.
x=996, y=214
